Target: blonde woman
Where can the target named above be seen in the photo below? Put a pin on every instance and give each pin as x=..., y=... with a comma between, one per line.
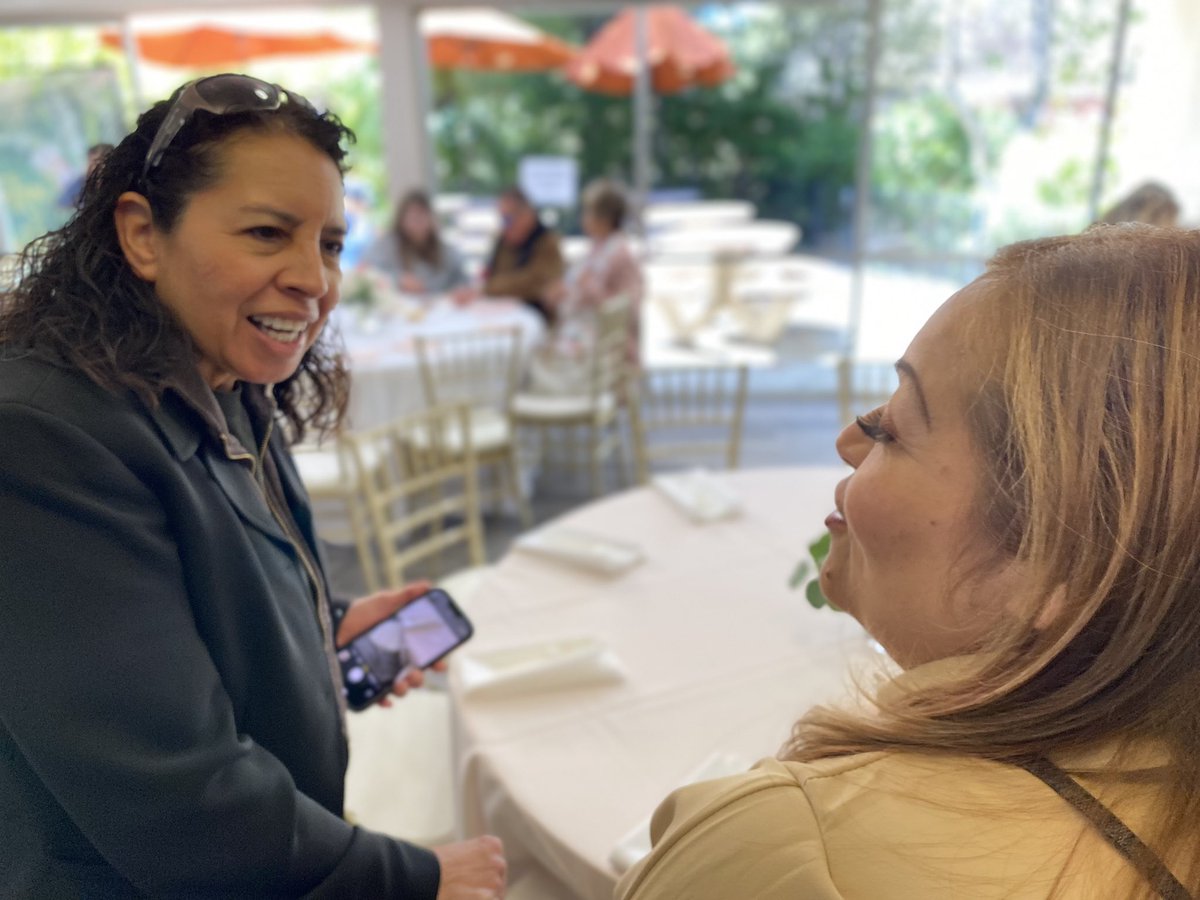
x=1021, y=532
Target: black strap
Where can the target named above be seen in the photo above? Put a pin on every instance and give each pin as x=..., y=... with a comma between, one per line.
x=1110, y=827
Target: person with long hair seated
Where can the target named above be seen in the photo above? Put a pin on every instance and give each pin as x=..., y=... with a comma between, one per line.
x=172, y=713
x=413, y=251
x=1021, y=533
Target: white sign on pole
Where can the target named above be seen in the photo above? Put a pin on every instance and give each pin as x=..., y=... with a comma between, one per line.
x=549, y=180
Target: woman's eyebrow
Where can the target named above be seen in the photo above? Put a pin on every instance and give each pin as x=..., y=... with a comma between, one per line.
x=905, y=369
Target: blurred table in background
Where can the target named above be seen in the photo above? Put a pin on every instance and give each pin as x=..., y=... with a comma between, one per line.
x=381, y=349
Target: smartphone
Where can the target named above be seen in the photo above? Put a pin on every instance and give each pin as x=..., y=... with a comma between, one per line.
x=416, y=636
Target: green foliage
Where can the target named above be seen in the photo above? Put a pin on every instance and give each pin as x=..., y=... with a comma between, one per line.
x=807, y=573
x=1070, y=185
x=757, y=137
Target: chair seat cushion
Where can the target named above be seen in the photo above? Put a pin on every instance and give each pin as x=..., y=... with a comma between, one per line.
x=321, y=468
x=552, y=407
x=489, y=431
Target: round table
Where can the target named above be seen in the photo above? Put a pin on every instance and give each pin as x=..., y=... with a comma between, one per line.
x=720, y=655
x=381, y=347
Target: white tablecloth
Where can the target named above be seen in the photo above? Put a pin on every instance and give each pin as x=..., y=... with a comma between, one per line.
x=382, y=352
x=721, y=656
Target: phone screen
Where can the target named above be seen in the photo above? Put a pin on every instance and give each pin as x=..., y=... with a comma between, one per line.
x=417, y=635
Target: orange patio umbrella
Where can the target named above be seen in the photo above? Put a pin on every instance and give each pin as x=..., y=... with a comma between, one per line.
x=218, y=40
x=679, y=52
x=489, y=40
x=466, y=38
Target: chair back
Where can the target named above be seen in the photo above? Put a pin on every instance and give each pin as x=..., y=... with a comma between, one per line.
x=476, y=368
x=419, y=482
x=688, y=414
x=610, y=348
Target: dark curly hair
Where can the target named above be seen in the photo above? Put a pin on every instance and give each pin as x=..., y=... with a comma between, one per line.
x=77, y=300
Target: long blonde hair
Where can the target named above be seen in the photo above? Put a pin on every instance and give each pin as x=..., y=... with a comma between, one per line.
x=1087, y=428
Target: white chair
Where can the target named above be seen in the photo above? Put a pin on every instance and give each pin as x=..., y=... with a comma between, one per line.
x=479, y=369
x=421, y=495
x=595, y=409
x=338, y=505
x=699, y=409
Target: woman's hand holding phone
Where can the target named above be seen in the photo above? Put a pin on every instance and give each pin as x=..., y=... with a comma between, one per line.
x=367, y=612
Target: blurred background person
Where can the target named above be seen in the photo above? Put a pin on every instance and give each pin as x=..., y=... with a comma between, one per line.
x=608, y=271
x=360, y=233
x=526, y=260
x=1151, y=202
x=73, y=192
x=413, y=250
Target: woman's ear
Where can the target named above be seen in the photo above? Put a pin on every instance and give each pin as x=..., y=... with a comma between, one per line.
x=138, y=236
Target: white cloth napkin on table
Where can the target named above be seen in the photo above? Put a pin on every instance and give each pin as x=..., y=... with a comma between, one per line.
x=539, y=666
x=636, y=844
x=581, y=549
x=699, y=494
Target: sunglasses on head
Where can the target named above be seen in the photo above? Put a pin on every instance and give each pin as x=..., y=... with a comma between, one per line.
x=220, y=95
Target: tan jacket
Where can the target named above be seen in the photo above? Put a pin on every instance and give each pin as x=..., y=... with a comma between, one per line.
x=525, y=271
x=877, y=826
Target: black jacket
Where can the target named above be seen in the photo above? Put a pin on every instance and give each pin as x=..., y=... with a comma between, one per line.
x=169, y=721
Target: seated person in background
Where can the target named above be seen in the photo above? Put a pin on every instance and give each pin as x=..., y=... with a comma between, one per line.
x=1150, y=202
x=413, y=251
x=526, y=260
x=608, y=271
x=1021, y=532
x=72, y=194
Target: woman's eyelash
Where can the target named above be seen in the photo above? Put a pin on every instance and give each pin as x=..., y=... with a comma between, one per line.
x=871, y=426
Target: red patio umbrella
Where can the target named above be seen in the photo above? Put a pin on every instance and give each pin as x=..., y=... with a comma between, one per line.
x=679, y=52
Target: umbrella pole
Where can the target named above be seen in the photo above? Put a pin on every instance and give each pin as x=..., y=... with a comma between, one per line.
x=129, y=43
x=862, y=206
x=641, y=115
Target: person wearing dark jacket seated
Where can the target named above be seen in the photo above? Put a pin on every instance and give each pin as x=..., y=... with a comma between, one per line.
x=526, y=261
x=172, y=714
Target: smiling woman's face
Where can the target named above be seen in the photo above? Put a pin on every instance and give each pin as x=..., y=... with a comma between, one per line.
x=906, y=533
x=252, y=267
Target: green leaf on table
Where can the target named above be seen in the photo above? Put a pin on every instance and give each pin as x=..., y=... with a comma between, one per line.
x=819, y=549
x=800, y=575
x=816, y=598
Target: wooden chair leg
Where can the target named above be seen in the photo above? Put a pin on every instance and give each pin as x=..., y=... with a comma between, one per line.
x=618, y=453
x=514, y=482
x=595, y=436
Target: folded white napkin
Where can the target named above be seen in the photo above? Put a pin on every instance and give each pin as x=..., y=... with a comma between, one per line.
x=700, y=495
x=540, y=666
x=579, y=548
x=636, y=844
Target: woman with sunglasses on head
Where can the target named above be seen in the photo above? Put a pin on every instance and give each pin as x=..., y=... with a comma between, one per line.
x=171, y=710
x=1021, y=533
